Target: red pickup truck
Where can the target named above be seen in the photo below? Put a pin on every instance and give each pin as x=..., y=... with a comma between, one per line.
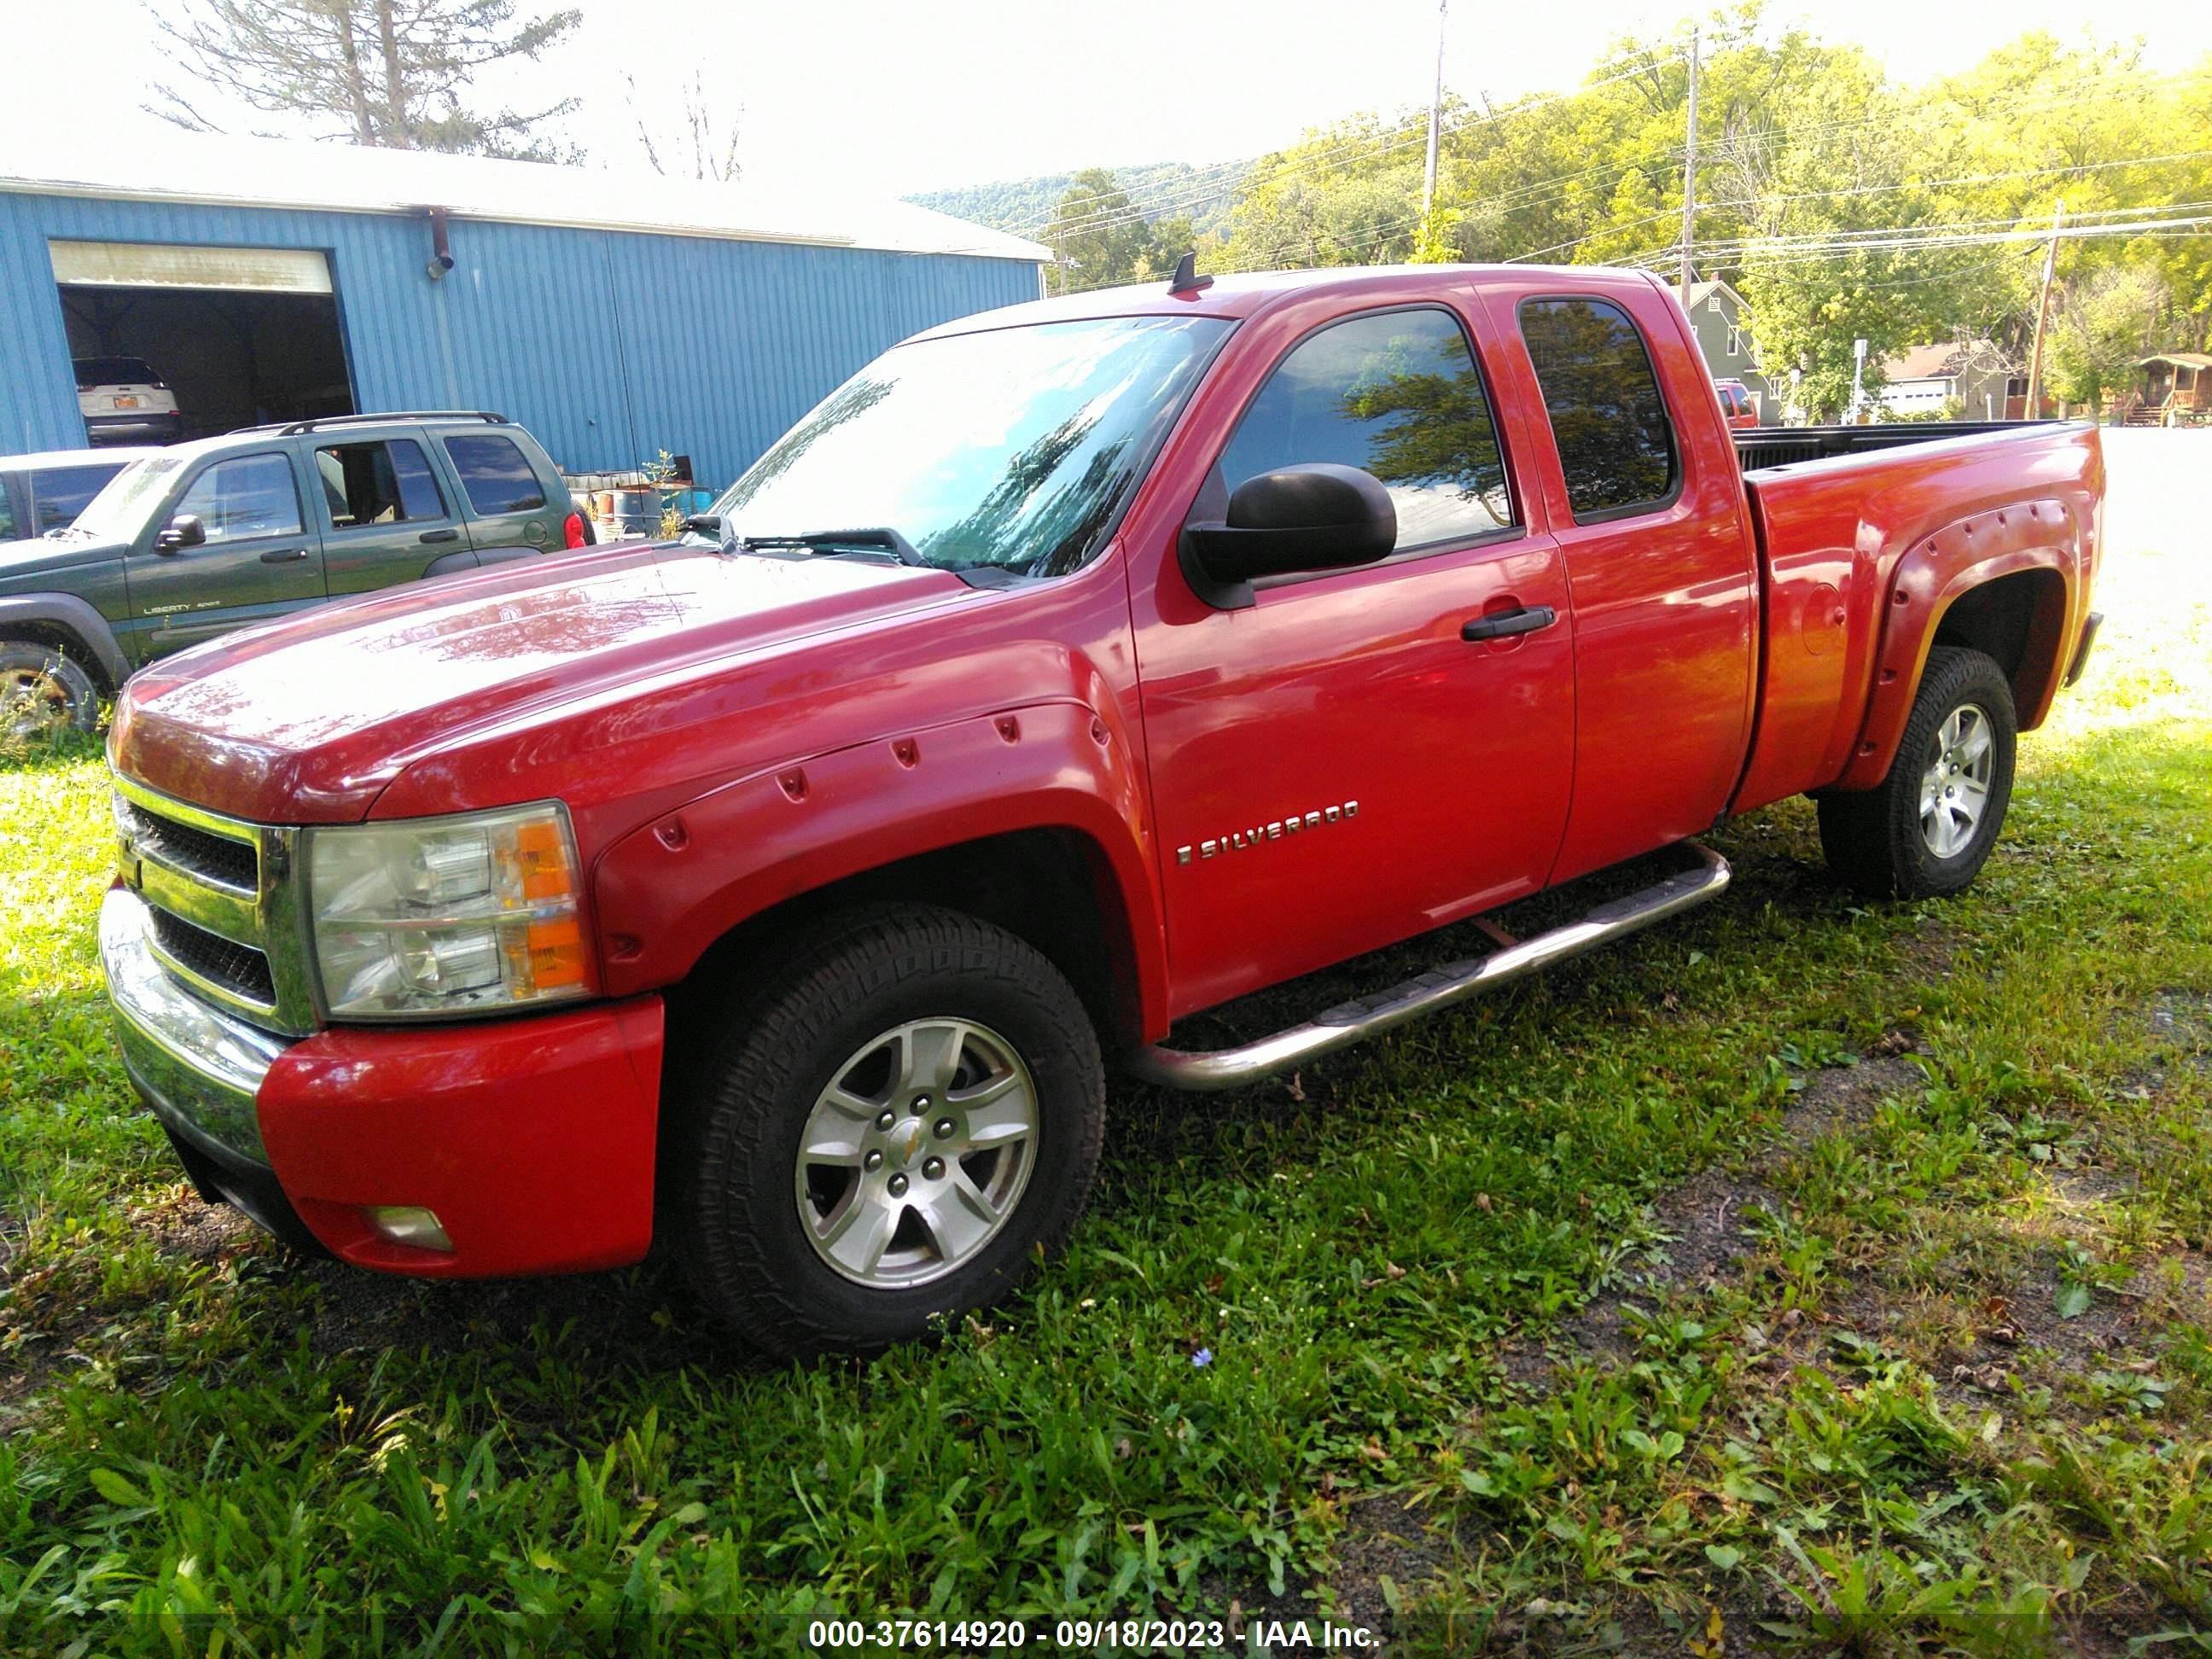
x=778, y=894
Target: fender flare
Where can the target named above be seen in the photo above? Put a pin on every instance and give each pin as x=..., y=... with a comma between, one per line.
x=81, y=619
x=666, y=892
x=474, y=558
x=1938, y=571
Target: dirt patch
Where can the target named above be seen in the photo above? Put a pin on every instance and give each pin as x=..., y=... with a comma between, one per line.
x=1381, y=1538
x=1704, y=1221
x=2183, y=1020
x=1931, y=948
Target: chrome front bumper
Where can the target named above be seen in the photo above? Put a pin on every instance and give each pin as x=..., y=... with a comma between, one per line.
x=199, y=1068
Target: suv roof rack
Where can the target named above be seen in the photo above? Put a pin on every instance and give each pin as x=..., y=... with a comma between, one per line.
x=293, y=429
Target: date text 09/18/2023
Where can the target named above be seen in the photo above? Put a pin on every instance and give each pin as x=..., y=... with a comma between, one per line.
x=1103, y=1636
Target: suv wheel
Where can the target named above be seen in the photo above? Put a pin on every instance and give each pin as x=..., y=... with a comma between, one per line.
x=895, y=1134
x=1928, y=828
x=43, y=691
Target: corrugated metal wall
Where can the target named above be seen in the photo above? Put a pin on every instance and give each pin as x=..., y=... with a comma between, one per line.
x=608, y=345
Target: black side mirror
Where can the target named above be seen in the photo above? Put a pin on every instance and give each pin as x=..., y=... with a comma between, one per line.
x=185, y=531
x=1320, y=516
x=709, y=525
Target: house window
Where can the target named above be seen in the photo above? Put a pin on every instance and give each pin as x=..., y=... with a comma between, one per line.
x=1735, y=343
x=1714, y=305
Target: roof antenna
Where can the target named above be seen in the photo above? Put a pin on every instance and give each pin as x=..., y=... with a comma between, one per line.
x=1186, y=279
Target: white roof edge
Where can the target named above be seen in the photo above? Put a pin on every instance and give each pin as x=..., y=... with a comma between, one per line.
x=302, y=174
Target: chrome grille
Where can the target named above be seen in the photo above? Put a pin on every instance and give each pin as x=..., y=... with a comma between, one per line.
x=239, y=968
x=217, y=858
x=224, y=904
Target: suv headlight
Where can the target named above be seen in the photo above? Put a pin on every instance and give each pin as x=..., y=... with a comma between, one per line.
x=430, y=916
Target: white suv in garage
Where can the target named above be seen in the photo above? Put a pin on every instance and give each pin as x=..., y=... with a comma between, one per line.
x=124, y=402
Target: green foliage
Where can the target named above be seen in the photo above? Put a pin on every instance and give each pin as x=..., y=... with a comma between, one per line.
x=1160, y=190
x=1099, y=240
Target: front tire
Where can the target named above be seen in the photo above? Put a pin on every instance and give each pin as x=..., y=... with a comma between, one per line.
x=1927, y=828
x=44, y=692
x=894, y=1134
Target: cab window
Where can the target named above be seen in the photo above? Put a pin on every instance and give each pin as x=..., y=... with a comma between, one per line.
x=373, y=483
x=1395, y=394
x=1616, y=444
x=248, y=496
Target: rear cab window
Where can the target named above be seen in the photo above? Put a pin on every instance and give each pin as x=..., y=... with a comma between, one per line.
x=383, y=482
x=1398, y=394
x=1609, y=421
x=497, y=476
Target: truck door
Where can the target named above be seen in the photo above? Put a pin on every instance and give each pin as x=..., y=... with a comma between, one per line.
x=1649, y=507
x=260, y=556
x=385, y=517
x=507, y=503
x=1336, y=767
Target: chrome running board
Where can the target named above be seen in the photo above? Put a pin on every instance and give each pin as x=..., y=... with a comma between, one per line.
x=1355, y=1022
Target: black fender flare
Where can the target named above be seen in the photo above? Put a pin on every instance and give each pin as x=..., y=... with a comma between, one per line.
x=76, y=617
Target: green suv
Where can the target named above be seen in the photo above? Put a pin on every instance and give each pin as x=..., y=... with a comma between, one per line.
x=202, y=538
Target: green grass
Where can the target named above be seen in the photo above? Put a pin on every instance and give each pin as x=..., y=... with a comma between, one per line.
x=1953, y=1387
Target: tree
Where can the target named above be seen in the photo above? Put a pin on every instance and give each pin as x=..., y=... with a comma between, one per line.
x=699, y=146
x=1099, y=238
x=394, y=72
x=2100, y=327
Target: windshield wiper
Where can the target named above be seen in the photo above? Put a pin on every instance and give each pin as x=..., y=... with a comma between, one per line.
x=877, y=541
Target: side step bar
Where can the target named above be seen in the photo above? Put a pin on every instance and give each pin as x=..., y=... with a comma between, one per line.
x=1355, y=1022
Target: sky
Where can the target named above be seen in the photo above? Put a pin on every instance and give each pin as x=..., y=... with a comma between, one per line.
x=881, y=98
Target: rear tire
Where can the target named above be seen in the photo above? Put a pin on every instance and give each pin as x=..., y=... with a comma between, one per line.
x=43, y=692
x=892, y=1135
x=1927, y=828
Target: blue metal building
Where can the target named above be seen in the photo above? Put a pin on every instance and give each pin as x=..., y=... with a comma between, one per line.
x=613, y=316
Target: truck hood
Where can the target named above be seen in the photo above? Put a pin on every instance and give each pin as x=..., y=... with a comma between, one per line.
x=308, y=718
x=38, y=555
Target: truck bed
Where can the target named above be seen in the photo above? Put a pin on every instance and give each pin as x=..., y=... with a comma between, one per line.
x=1865, y=534
x=1760, y=447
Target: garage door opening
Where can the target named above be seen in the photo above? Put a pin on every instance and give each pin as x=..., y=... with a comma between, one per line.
x=240, y=336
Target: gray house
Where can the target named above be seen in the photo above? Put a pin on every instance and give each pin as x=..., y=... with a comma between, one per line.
x=1723, y=323
x=1974, y=376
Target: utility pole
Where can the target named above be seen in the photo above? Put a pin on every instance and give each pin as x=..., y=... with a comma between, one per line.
x=1689, y=171
x=1435, y=108
x=2042, y=314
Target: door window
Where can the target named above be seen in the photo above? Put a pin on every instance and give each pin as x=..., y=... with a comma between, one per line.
x=373, y=483
x=7, y=515
x=1616, y=444
x=496, y=472
x=1397, y=394
x=58, y=496
x=251, y=495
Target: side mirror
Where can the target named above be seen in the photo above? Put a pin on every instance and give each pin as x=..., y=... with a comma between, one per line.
x=185, y=531
x=709, y=525
x=1320, y=516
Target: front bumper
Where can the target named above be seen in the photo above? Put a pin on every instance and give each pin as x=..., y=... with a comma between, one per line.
x=531, y=1139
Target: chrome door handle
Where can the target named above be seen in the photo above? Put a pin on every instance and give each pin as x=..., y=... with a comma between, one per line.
x=283, y=555
x=440, y=536
x=1506, y=623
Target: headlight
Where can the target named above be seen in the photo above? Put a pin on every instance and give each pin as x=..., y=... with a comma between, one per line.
x=429, y=916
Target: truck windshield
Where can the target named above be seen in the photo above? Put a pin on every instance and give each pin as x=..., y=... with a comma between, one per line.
x=1014, y=447
x=119, y=512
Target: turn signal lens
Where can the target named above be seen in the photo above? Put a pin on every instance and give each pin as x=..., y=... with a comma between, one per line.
x=572, y=530
x=443, y=916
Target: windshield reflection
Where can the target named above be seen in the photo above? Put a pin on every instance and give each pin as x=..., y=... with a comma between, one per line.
x=1012, y=448
x=118, y=512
